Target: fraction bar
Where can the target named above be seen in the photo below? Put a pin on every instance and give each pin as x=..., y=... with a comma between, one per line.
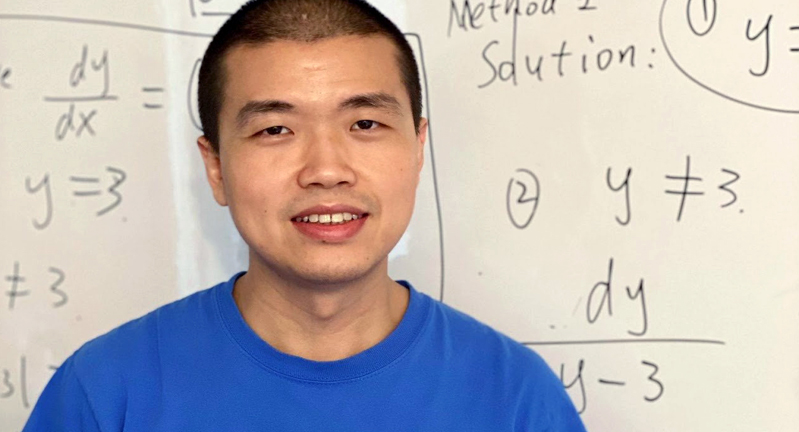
x=79, y=98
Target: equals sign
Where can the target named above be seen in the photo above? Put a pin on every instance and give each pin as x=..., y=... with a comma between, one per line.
x=85, y=180
x=152, y=90
x=794, y=28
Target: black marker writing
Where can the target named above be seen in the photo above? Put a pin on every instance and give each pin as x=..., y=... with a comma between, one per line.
x=57, y=277
x=704, y=17
x=685, y=192
x=193, y=9
x=60, y=276
x=560, y=55
x=150, y=104
x=522, y=198
x=655, y=381
x=601, y=298
x=586, y=5
x=650, y=395
x=5, y=76
x=15, y=292
x=794, y=49
x=626, y=186
x=507, y=69
x=561, y=61
x=471, y=15
x=44, y=184
x=117, y=178
x=725, y=188
x=701, y=16
x=66, y=123
x=639, y=294
x=9, y=387
x=578, y=379
x=603, y=289
x=191, y=100
x=764, y=31
x=78, y=74
x=23, y=384
x=466, y=18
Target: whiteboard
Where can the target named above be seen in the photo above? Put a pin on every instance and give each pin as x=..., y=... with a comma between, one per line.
x=613, y=184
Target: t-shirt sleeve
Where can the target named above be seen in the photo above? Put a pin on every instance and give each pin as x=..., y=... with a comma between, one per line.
x=553, y=410
x=63, y=405
x=563, y=416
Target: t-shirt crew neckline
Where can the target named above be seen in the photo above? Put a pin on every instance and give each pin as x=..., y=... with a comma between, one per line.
x=396, y=344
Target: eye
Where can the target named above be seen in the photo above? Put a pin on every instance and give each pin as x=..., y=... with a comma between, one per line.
x=365, y=125
x=276, y=130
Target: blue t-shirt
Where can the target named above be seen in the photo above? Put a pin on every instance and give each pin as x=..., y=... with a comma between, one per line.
x=195, y=365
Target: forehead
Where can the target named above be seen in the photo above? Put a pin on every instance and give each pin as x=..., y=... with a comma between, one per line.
x=322, y=71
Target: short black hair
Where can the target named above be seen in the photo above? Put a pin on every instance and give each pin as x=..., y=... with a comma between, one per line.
x=263, y=21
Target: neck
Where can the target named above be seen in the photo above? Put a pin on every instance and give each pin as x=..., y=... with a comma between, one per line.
x=321, y=322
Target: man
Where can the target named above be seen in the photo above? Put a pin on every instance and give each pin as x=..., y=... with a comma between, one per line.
x=311, y=111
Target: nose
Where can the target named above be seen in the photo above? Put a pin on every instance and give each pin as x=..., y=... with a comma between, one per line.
x=327, y=163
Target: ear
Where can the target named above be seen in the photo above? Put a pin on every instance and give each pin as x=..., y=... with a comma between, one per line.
x=213, y=169
x=421, y=139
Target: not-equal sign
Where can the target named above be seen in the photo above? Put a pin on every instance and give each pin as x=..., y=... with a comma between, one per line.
x=152, y=91
x=796, y=29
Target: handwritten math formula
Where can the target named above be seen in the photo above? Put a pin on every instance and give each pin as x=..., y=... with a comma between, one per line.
x=82, y=108
x=759, y=46
x=744, y=53
x=509, y=61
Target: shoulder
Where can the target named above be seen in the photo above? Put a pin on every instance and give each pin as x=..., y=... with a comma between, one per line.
x=505, y=370
x=93, y=388
x=483, y=340
x=136, y=343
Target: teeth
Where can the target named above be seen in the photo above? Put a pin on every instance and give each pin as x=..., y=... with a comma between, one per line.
x=328, y=219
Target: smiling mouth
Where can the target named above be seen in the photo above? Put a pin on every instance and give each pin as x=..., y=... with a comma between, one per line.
x=331, y=218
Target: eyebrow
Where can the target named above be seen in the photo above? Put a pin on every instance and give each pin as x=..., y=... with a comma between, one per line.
x=252, y=108
x=379, y=100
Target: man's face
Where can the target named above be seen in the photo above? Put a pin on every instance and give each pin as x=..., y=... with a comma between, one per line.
x=313, y=135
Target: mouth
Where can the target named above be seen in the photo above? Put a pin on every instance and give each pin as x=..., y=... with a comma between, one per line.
x=329, y=214
x=330, y=224
x=330, y=218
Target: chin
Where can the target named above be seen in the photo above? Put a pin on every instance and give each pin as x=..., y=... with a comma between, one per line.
x=333, y=275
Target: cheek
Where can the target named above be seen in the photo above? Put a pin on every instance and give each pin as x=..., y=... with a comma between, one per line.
x=250, y=189
x=402, y=180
